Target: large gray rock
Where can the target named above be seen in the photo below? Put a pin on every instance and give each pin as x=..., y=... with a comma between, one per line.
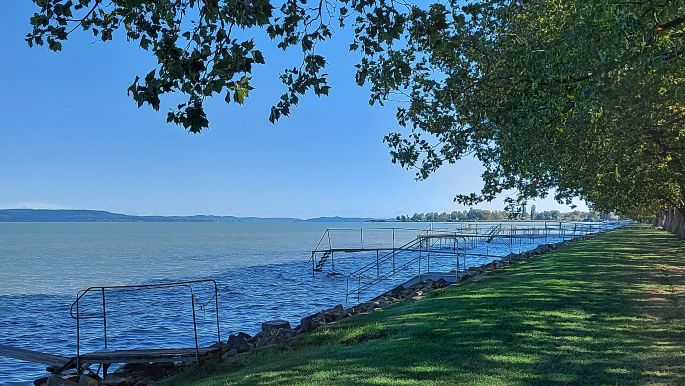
x=239, y=342
x=312, y=322
x=124, y=380
x=228, y=354
x=397, y=292
x=88, y=381
x=334, y=314
x=283, y=336
x=383, y=301
x=358, y=309
x=139, y=373
x=280, y=337
x=306, y=324
x=417, y=286
x=272, y=326
x=440, y=283
x=56, y=380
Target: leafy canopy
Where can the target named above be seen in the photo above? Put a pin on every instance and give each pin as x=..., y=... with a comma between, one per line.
x=582, y=97
x=201, y=48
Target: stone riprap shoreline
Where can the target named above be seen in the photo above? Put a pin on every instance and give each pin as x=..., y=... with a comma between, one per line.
x=279, y=333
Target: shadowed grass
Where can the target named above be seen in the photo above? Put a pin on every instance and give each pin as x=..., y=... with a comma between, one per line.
x=608, y=310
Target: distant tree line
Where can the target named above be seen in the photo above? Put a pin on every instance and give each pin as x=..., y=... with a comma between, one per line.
x=474, y=214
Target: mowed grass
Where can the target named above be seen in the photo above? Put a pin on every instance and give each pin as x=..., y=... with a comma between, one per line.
x=608, y=310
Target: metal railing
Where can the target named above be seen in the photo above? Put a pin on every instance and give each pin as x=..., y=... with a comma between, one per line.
x=414, y=249
x=75, y=312
x=494, y=232
x=325, y=247
x=361, y=244
x=428, y=238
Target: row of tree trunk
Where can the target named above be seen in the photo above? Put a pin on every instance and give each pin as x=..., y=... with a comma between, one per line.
x=672, y=220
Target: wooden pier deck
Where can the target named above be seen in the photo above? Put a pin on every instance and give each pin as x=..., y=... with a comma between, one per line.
x=354, y=250
x=144, y=356
x=58, y=363
x=52, y=360
x=467, y=235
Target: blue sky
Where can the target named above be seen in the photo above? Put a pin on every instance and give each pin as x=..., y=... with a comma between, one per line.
x=70, y=137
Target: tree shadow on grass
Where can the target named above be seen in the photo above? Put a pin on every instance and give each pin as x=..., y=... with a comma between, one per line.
x=602, y=311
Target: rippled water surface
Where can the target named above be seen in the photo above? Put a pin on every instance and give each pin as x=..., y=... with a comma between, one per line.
x=262, y=269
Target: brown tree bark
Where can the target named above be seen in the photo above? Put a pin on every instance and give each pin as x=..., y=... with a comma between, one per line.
x=672, y=220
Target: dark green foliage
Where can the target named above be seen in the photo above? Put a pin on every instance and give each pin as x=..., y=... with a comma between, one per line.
x=200, y=46
x=194, y=42
x=586, y=98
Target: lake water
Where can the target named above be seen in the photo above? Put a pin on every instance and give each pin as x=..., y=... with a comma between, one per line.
x=263, y=272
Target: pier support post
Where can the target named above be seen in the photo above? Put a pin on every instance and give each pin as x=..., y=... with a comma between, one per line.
x=105, y=366
x=457, y=254
x=393, y=251
x=78, y=337
x=197, y=346
x=545, y=232
x=104, y=317
x=359, y=287
x=347, y=290
x=378, y=267
x=428, y=267
x=420, y=247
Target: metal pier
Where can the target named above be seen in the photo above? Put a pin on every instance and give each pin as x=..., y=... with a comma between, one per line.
x=324, y=252
x=107, y=357
x=82, y=362
x=458, y=241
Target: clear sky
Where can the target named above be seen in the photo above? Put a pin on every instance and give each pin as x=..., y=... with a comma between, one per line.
x=70, y=137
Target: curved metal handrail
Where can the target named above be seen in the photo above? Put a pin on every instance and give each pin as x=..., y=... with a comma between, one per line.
x=390, y=254
x=81, y=293
x=179, y=284
x=385, y=257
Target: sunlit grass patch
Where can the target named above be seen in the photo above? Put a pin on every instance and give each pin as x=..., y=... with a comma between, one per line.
x=587, y=314
x=365, y=334
x=512, y=359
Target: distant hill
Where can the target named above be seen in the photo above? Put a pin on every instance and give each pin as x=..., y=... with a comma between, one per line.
x=339, y=219
x=78, y=215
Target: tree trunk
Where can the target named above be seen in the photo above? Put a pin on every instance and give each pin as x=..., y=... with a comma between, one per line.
x=672, y=220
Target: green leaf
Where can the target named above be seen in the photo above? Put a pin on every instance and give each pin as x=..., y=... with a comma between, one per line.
x=239, y=96
x=257, y=56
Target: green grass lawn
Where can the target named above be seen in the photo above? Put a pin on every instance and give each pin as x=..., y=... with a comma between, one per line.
x=608, y=310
